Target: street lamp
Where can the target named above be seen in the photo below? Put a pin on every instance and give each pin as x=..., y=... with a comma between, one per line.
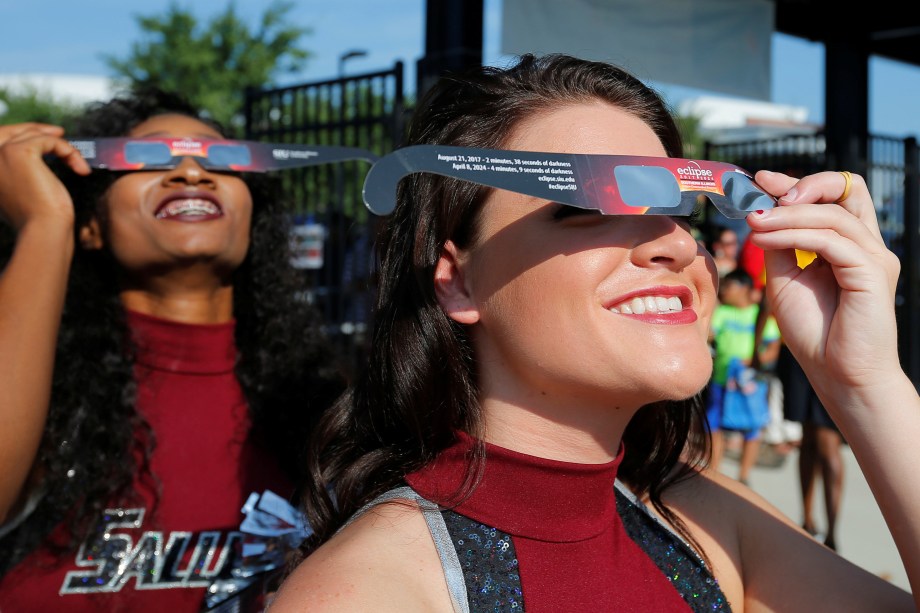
x=348, y=55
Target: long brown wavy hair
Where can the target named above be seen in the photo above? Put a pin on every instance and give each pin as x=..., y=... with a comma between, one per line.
x=420, y=385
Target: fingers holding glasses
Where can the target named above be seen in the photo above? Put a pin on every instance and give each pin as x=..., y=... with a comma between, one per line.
x=841, y=305
x=844, y=189
x=812, y=204
x=781, y=229
x=29, y=190
x=29, y=142
x=18, y=131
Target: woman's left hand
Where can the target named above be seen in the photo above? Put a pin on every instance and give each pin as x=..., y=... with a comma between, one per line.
x=836, y=314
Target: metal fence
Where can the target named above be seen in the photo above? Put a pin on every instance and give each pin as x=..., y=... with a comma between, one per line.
x=892, y=176
x=333, y=230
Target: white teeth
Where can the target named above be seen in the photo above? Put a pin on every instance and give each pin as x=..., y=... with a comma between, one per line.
x=638, y=306
x=649, y=304
x=190, y=206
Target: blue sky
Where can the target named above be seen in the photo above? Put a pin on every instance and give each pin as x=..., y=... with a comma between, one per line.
x=63, y=36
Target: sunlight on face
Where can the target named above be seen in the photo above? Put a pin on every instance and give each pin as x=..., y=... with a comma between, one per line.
x=180, y=216
x=573, y=307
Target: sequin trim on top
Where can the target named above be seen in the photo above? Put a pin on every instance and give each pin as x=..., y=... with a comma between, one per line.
x=481, y=567
x=489, y=564
x=677, y=560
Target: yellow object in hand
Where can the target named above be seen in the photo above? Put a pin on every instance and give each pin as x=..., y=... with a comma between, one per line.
x=804, y=258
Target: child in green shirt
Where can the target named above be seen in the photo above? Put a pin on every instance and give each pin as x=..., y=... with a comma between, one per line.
x=732, y=334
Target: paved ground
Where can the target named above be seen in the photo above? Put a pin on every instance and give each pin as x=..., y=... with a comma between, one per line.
x=862, y=536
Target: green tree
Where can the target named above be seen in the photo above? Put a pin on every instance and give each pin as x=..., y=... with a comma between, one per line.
x=213, y=64
x=31, y=104
x=694, y=143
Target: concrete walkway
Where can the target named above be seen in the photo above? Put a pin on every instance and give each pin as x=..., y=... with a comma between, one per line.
x=862, y=536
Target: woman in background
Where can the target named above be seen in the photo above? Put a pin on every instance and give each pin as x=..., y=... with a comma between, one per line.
x=156, y=364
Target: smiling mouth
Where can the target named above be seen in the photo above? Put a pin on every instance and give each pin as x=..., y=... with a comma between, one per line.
x=641, y=305
x=189, y=207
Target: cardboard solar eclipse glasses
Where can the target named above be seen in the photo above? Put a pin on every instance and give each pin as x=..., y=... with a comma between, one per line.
x=133, y=154
x=611, y=184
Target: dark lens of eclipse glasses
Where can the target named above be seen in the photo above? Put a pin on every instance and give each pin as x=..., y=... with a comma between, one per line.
x=138, y=152
x=226, y=156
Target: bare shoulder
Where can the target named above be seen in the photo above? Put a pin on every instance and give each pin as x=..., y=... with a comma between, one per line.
x=754, y=549
x=383, y=561
x=708, y=496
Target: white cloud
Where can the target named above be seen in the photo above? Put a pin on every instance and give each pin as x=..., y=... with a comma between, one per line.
x=78, y=89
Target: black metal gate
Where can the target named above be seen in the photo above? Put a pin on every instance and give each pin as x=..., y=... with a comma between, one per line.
x=333, y=228
x=893, y=177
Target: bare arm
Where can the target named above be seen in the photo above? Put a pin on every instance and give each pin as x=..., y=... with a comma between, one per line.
x=32, y=287
x=765, y=562
x=837, y=317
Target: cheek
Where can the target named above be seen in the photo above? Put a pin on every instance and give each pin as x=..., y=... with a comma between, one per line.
x=124, y=225
x=244, y=227
x=131, y=187
x=536, y=306
x=123, y=201
x=516, y=309
x=239, y=193
x=707, y=281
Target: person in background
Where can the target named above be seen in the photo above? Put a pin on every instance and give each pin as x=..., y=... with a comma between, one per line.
x=751, y=259
x=820, y=444
x=725, y=250
x=528, y=433
x=733, y=336
x=820, y=447
x=156, y=367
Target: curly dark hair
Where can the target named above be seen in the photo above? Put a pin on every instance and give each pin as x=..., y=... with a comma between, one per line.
x=285, y=366
x=420, y=386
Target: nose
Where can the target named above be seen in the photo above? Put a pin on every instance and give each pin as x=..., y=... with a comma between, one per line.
x=662, y=241
x=189, y=172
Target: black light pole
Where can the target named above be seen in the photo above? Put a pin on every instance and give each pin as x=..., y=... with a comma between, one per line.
x=453, y=40
x=338, y=233
x=348, y=55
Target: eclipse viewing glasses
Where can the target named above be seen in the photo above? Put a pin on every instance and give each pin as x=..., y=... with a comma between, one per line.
x=611, y=184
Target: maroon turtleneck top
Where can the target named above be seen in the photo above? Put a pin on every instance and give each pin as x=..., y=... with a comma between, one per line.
x=572, y=550
x=164, y=551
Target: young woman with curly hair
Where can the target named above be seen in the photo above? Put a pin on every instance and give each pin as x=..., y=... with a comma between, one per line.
x=157, y=367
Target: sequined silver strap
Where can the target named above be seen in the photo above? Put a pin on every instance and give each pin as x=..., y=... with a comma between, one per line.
x=632, y=498
x=450, y=563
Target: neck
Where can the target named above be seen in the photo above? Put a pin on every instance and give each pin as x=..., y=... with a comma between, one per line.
x=200, y=306
x=194, y=294
x=572, y=434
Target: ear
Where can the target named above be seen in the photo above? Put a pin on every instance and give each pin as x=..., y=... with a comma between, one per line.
x=450, y=286
x=91, y=235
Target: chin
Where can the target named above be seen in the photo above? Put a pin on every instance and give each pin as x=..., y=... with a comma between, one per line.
x=685, y=378
x=679, y=395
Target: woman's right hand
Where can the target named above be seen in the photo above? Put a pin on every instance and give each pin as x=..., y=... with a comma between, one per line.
x=29, y=190
x=837, y=314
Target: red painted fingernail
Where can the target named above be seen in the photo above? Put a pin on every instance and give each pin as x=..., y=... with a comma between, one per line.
x=759, y=211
